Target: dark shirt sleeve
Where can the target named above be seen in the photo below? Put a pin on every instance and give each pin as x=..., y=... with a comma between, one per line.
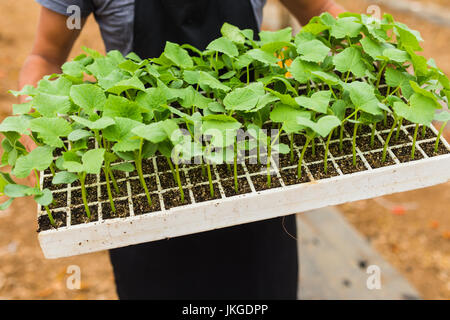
x=60, y=6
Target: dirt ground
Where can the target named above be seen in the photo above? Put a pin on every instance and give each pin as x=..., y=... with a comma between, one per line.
x=411, y=230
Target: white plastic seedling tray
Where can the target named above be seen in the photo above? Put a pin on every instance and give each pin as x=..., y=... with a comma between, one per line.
x=253, y=206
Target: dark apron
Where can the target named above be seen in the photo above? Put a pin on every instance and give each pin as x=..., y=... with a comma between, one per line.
x=250, y=261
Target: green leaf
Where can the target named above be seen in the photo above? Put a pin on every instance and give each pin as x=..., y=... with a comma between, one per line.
x=178, y=55
x=244, y=99
x=208, y=80
x=124, y=167
x=19, y=124
x=421, y=109
x=93, y=160
x=64, y=177
x=284, y=113
x=127, y=84
x=396, y=55
x=45, y=198
x=5, y=205
x=425, y=93
x=223, y=45
x=363, y=97
x=99, y=124
x=313, y=50
x=50, y=105
x=153, y=132
x=18, y=191
x=322, y=127
x=151, y=99
x=22, y=108
x=27, y=90
x=39, y=158
x=221, y=128
x=116, y=106
x=318, y=101
x=284, y=35
x=51, y=130
x=89, y=97
x=372, y=48
x=350, y=59
x=121, y=132
x=408, y=38
x=346, y=27
x=233, y=33
x=443, y=116
x=79, y=134
x=301, y=70
x=327, y=77
x=262, y=56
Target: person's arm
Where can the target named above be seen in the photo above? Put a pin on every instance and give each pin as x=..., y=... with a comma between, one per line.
x=304, y=10
x=52, y=45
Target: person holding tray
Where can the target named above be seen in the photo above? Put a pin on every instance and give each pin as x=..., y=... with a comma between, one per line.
x=252, y=261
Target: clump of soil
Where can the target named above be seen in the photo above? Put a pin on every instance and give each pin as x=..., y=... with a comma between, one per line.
x=59, y=200
x=172, y=198
x=319, y=155
x=228, y=187
x=136, y=187
x=428, y=148
x=117, y=175
x=202, y=192
x=299, y=140
x=122, y=209
x=147, y=167
x=289, y=176
x=260, y=182
x=122, y=185
x=363, y=143
x=402, y=138
x=255, y=168
x=90, y=179
x=404, y=154
x=141, y=206
x=374, y=159
x=285, y=160
x=347, y=167
x=79, y=215
x=318, y=172
x=162, y=164
x=44, y=222
x=196, y=176
x=49, y=185
x=389, y=123
x=225, y=172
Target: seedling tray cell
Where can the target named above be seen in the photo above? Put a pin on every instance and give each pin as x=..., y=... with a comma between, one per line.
x=167, y=218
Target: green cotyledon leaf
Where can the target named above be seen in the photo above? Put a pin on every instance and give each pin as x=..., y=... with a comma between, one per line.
x=284, y=35
x=39, y=158
x=98, y=124
x=301, y=70
x=19, y=124
x=350, y=59
x=117, y=106
x=363, y=97
x=178, y=55
x=244, y=98
x=221, y=128
x=127, y=84
x=223, y=45
x=91, y=162
x=121, y=132
x=88, y=97
x=233, y=33
x=312, y=50
x=346, y=27
x=421, y=109
x=318, y=101
x=323, y=126
x=51, y=130
x=263, y=56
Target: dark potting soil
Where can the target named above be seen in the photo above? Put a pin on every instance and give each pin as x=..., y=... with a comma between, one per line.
x=79, y=215
x=363, y=143
x=383, y=91
x=285, y=139
x=362, y=128
x=428, y=147
x=44, y=222
x=141, y=206
x=347, y=167
x=260, y=182
x=168, y=181
x=319, y=154
x=122, y=209
x=117, y=175
x=255, y=168
x=203, y=193
x=402, y=138
x=318, y=170
x=389, y=123
x=346, y=148
x=225, y=171
x=285, y=160
x=299, y=140
x=59, y=200
x=196, y=176
x=374, y=159
x=228, y=187
x=122, y=185
x=49, y=185
x=147, y=167
x=162, y=164
x=404, y=154
x=290, y=177
x=90, y=179
x=137, y=188
x=91, y=195
x=429, y=134
x=172, y=198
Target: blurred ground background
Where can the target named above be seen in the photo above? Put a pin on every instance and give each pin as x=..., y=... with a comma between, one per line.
x=411, y=230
